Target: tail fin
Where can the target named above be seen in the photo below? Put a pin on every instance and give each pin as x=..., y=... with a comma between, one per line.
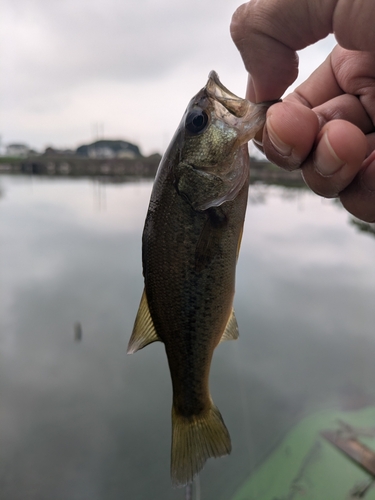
x=194, y=440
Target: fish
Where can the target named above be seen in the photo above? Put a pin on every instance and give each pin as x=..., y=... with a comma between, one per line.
x=190, y=245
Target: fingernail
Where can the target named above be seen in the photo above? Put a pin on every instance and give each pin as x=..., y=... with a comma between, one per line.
x=368, y=177
x=326, y=160
x=280, y=146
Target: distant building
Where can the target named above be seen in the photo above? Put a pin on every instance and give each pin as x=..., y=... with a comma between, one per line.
x=109, y=149
x=17, y=150
x=49, y=151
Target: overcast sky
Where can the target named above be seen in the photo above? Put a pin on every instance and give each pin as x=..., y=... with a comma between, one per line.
x=130, y=66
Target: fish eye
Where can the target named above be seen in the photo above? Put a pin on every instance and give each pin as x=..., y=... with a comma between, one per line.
x=196, y=121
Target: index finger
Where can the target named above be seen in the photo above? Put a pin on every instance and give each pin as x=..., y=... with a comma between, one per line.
x=269, y=32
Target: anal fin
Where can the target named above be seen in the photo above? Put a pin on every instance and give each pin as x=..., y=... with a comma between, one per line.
x=231, y=330
x=144, y=332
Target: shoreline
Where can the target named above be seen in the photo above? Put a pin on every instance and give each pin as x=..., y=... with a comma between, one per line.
x=117, y=168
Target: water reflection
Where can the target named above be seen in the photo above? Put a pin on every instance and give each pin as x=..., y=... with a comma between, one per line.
x=80, y=419
x=77, y=331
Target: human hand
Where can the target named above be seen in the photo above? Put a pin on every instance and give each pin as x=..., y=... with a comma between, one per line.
x=326, y=126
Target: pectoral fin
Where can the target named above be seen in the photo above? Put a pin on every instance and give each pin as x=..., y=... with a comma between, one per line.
x=144, y=332
x=231, y=330
x=208, y=245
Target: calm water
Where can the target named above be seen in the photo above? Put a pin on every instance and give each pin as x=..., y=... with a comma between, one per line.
x=81, y=420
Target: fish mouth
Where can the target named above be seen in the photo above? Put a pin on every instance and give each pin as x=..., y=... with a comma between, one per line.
x=216, y=90
x=247, y=117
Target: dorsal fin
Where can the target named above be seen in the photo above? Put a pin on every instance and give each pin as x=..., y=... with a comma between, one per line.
x=239, y=242
x=144, y=332
x=231, y=330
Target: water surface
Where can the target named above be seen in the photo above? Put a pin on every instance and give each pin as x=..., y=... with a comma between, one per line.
x=80, y=420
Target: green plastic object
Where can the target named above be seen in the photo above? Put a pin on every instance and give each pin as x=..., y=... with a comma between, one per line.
x=305, y=466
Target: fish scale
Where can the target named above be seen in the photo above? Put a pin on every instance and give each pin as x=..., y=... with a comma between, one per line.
x=190, y=246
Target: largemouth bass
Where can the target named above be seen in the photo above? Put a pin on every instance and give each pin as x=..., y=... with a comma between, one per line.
x=191, y=241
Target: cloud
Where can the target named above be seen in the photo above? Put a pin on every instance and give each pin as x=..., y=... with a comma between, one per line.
x=131, y=66
x=66, y=43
